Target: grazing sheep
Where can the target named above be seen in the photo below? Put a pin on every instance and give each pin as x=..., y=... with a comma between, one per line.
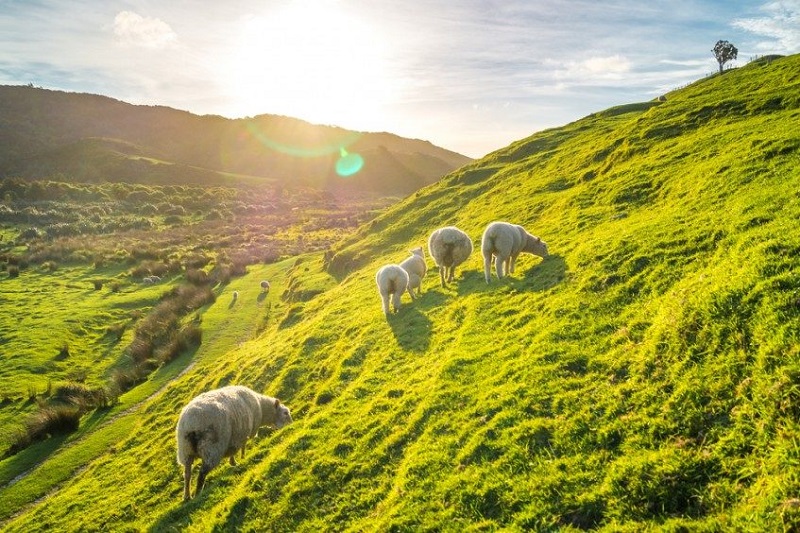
x=392, y=282
x=217, y=424
x=235, y=295
x=265, y=286
x=416, y=268
x=505, y=242
x=449, y=247
x=148, y=280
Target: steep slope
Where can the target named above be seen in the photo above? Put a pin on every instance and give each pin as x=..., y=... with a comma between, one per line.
x=45, y=133
x=646, y=375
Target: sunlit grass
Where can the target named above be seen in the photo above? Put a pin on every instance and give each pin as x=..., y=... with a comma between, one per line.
x=643, y=377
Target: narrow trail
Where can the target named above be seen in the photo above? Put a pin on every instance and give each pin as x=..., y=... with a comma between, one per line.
x=76, y=442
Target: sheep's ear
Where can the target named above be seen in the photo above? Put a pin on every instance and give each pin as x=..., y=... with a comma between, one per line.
x=277, y=403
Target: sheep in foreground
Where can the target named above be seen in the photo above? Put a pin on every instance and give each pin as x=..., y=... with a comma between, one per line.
x=416, y=268
x=217, y=424
x=449, y=247
x=505, y=242
x=392, y=281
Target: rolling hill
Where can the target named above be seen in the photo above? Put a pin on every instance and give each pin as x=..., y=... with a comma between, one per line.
x=84, y=137
x=645, y=376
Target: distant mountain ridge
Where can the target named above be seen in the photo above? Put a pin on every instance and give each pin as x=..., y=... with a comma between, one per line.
x=84, y=137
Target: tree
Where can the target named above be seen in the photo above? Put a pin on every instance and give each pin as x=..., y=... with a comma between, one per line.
x=724, y=52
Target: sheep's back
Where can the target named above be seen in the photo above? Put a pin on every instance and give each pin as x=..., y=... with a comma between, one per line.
x=449, y=246
x=391, y=278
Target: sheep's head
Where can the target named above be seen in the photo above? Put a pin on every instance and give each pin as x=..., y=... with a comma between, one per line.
x=536, y=246
x=418, y=251
x=282, y=415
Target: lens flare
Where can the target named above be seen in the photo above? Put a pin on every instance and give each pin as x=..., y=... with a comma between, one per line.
x=348, y=164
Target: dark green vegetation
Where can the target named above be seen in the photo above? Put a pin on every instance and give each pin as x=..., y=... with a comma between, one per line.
x=645, y=376
x=95, y=138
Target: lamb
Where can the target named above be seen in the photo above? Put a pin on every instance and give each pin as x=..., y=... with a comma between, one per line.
x=449, y=247
x=235, y=295
x=416, y=268
x=392, y=281
x=217, y=424
x=506, y=241
x=265, y=286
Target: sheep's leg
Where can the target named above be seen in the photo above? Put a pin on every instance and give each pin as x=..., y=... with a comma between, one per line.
x=396, y=300
x=442, y=275
x=232, y=460
x=201, y=479
x=451, y=273
x=499, y=264
x=385, y=299
x=487, y=265
x=187, y=479
x=512, y=263
x=244, y=446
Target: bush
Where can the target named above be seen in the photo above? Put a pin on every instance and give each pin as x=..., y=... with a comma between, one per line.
x=49, y=421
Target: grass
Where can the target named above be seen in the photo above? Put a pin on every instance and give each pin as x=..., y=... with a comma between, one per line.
x=643, y=377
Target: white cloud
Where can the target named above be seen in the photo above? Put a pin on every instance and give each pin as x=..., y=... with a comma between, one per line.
x=594, y=70
x=134, y=29
x=781, y=26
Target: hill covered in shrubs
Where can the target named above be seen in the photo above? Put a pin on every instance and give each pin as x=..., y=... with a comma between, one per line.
x=645, y=376
x=47, y=134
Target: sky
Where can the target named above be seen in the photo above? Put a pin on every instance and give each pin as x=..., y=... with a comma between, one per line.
x=471, y=76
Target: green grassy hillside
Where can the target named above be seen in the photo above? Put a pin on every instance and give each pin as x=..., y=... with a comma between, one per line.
x=644, y=376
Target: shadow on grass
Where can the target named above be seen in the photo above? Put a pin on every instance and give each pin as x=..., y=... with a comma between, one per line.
x=261, y=296
x=547, y=274
x=541, y=277
x=410, y=326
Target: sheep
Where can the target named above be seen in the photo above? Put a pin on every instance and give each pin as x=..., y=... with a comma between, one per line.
x=148, y=280
x=416, y=268
x=506, y=241
x=449, y=247
x=217, y=424
x=265, y=286
x=235, y=295
x=392, y=281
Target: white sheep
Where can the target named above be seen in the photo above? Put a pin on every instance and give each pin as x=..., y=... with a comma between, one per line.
x=217, y=424
x=449, y=247
x=148, y=280
x=235, y=295
x=505, y=242
x=416, y=268
x=392, y=281
x=265, y=286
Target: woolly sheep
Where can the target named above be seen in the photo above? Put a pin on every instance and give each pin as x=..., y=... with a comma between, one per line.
x=392, y=281
x=505, y=242
x=416, y=268
x=449, y=247
x=235, y=295
x=217, y=424
x=265, y=286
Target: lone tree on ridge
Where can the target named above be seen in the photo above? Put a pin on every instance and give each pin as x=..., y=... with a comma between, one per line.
x=724, y=52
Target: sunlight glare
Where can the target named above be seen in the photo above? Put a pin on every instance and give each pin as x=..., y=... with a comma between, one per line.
x=310, y=59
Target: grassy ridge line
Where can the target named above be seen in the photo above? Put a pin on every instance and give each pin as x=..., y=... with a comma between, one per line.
x=231, y=325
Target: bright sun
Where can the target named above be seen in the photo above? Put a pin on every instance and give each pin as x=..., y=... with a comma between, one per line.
x=312, y=60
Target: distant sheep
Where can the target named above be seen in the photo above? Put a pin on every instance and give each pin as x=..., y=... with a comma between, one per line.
x=449, y=247
x=505, y=242
x=392, y=281
x=416, y=268
x=265, y=286
x=217, y=424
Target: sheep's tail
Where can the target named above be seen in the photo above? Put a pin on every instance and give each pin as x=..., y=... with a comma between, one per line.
x=447, y=257
x=193, y=439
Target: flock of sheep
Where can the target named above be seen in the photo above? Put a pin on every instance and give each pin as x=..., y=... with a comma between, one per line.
x=217, y=423
x=449, y=247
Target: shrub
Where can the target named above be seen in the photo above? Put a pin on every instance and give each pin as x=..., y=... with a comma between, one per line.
x=98, y=284
x=49, y=421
